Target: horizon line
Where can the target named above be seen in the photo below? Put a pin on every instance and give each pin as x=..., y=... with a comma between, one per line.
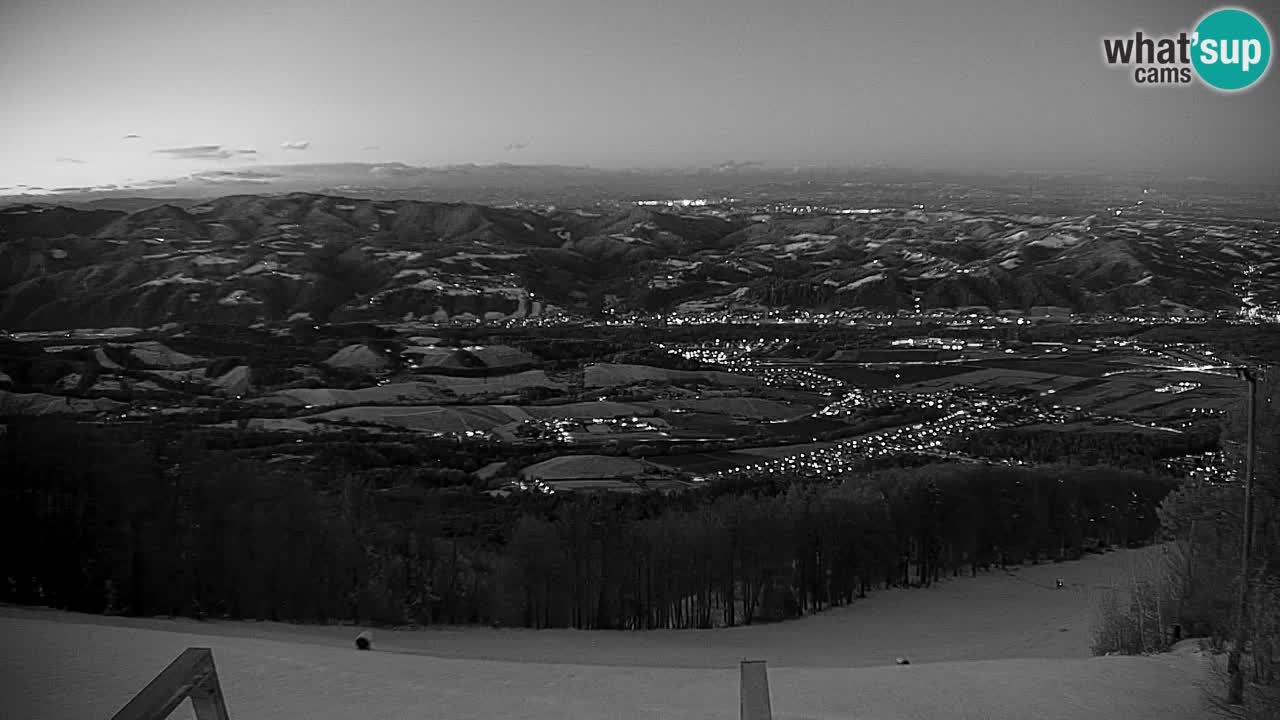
x=139, y=188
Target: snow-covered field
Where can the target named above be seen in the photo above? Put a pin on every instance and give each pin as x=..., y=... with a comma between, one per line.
x=998, y=646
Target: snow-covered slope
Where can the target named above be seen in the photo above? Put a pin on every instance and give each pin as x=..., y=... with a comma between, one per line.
x=989, y=647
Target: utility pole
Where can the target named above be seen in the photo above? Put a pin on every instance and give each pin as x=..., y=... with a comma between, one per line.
x=1235, y=691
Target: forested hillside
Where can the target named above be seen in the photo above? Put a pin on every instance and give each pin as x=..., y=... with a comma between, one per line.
x=128, y=522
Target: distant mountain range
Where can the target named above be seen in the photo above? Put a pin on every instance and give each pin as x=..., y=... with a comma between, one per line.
x=506, y=184
x=492, y=184
x=250, y=258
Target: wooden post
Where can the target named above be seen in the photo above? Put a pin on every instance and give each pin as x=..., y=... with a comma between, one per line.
x=191, y=675
x=755, y=691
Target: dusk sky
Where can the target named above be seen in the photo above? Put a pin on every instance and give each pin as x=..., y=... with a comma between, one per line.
x=981, y=84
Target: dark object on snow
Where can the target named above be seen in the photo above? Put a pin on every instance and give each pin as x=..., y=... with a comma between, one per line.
x=903, y=661
x=364, y=641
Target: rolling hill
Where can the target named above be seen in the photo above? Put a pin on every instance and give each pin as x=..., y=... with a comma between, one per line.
x=250, y=258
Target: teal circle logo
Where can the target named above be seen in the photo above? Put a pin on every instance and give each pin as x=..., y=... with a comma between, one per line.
x=1232, y=49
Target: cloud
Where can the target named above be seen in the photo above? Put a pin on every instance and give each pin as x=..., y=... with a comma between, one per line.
x=80, y=189
x=132, y=136
x=516, y=146
x=296, y=144
x=71, y=161
x=195, y=152
x=219, y=177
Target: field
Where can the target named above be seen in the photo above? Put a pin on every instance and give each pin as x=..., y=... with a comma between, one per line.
x=1120, y=394
x=605, y=375
x=42, y=404
x=428, y=418
x=428, y=389
x=745, y=407
x=515, y=382
x=391, y=393
x=710, y=462
x=1003, y=645
x=871, y=378
x=1091, y=427
x=588, y=410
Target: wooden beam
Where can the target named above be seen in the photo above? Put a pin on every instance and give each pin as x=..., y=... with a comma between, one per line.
x=207, y=697
x=755, y=703
x=191, y=675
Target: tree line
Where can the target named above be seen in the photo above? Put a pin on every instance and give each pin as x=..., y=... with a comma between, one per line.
x=129, y=523
x=1205, y=522
x=1137, y=450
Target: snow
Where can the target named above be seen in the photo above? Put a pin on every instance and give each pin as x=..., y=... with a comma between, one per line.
x=42, y=404
x=1000, y=646
x=101, y=357
x=432, y=284
x=411, y=272
x=358, y=356
x=178, y=279
x=802, y=245
x=236, y=381
x=158, y=355
x=863, y=281
x=811, y=236
x=202, y=260
x=261, y=267
x=402, y=255
x=239, y=297
x=1056, y=241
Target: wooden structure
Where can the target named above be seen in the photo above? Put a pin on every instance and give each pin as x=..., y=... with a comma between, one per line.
x=191, y=675
x=755, y=691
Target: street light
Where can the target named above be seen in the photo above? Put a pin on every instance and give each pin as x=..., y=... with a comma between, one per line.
x=1235, y=691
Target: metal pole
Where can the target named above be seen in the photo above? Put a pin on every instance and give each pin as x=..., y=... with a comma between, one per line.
x=1235, y=692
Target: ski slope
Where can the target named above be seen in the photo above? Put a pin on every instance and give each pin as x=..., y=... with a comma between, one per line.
x=997, y=646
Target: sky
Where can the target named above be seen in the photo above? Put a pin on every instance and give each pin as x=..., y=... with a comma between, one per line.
x=100, y=93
